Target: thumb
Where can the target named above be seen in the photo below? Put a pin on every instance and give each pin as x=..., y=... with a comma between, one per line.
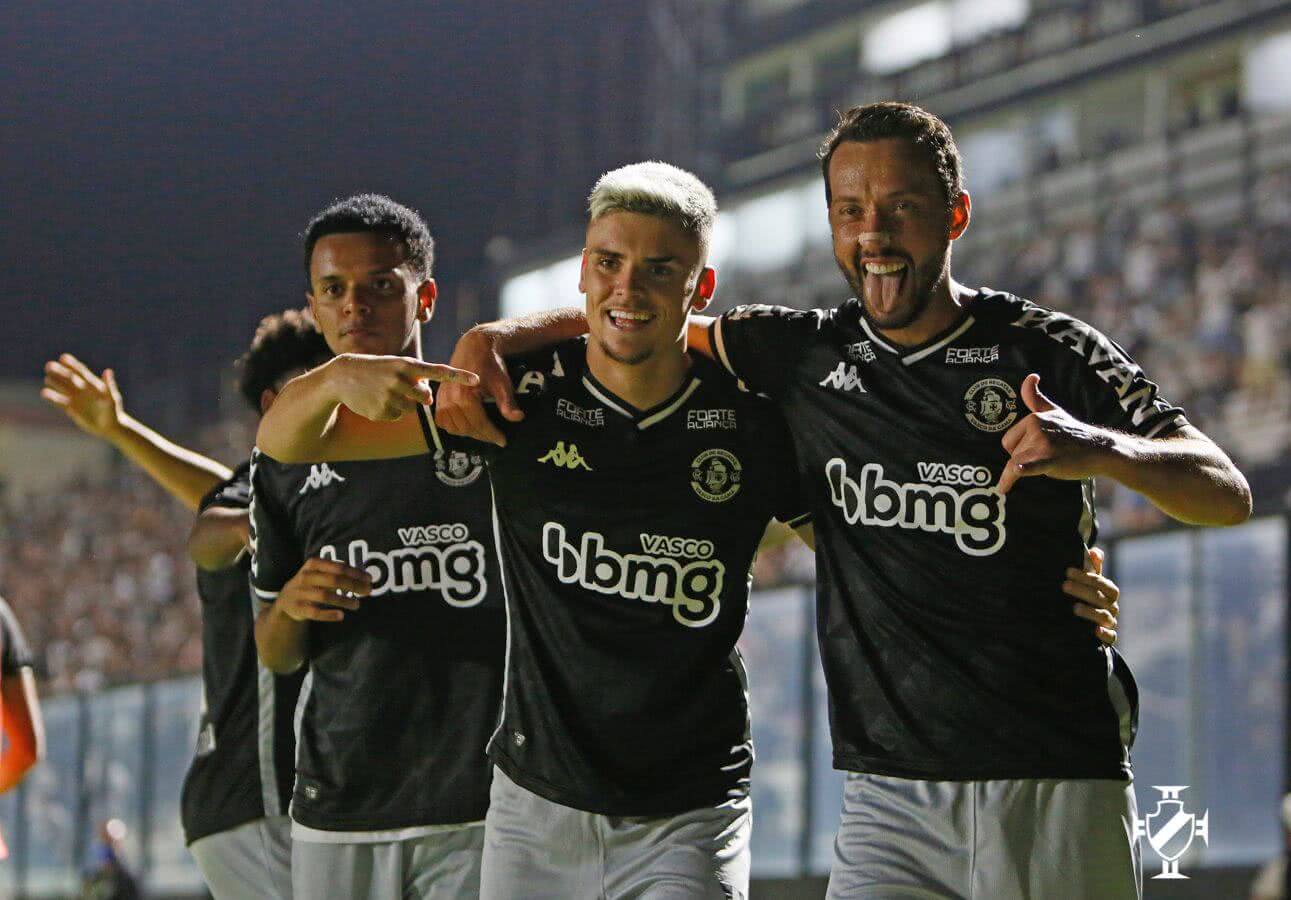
x=504, y=396
x=1096, y=557
x=1031, y=396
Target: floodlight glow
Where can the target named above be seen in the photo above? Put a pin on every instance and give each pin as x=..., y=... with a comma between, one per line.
x=899, y=41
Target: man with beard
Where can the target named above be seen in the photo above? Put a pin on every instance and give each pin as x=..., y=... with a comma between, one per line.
x=986, y=738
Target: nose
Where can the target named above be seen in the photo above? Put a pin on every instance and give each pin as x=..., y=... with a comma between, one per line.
x=355, y=303
x=630, y=280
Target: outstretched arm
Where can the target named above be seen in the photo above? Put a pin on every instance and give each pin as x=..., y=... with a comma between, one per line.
x=94, y=403
x=24, y=727
x=1187, y=476
x=459, y=409
x=352, y=407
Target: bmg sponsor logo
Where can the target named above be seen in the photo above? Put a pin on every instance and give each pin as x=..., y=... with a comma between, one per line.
x=951, y=499
x=691, y=585
x=439, y=558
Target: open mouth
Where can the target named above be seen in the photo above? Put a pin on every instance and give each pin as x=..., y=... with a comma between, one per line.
x=885, y=281
x=629, y=319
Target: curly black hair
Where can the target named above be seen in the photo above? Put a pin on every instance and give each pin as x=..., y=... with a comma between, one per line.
x=285, y=343
x=876, y=121
x=376, y=213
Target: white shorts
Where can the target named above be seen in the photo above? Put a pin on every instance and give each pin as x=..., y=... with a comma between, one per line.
x=250, y=862
x=1050, y=839
x=535, y=849
x=444, y=865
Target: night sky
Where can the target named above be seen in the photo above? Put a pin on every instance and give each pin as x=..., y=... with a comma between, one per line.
x=160, y=160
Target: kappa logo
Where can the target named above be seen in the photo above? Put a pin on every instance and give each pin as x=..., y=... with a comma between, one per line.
x=1171, y=829
x=563, y=458
x=975, y=515
x=844, y=378
x=320, y=476
x=693, y=589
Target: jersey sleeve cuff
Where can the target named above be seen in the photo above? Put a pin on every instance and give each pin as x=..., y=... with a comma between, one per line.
x=719, y=346
x=267, y=596
x=1167, y=427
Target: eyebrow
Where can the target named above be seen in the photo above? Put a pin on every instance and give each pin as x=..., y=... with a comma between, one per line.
x=381, y=271
x=614, y=254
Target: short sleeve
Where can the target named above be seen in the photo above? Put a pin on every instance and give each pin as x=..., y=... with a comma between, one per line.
x=235, y=492
x=1103, y=386
x=15, y=653
x=276, y=555
x=761, y=345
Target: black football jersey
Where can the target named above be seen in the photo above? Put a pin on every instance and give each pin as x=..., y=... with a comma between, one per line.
x=15, y=653
x=244, y=763
x=626, y=538
x=949, y=648
x=403, y=694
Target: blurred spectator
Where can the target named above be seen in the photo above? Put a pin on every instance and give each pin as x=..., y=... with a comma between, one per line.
x=110, y=879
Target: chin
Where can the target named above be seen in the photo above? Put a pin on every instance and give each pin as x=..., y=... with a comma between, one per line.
x=626, y=356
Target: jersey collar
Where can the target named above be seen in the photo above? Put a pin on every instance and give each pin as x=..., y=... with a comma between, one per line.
x=911, y=355
x=647, y=417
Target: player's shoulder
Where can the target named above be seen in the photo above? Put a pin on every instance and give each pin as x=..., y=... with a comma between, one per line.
x=790, y=317
x=719, y=388
x=233, y=491
x=547, y=371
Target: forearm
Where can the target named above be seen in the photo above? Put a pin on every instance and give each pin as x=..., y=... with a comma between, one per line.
x=219, y=537
x=294, y=427
x=534, y=331
x=1188, y=477
x=280, y=640
x=185, y=474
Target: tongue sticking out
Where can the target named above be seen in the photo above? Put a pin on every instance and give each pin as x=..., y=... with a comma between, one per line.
x=883, y=291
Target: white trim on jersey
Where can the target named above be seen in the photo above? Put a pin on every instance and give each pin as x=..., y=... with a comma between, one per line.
x=266, y=727
x=656, y=418
x=915, y=357
x=434, y=433
x=506, y=608
x=865, y=326
x=719, y=347
x=1088, y=511
x=1120, y=701
x=264, y=595
x=591, y=389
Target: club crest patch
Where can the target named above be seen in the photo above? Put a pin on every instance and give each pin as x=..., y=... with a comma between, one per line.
x=456, y=468
x=715, y=475
x=991, y=405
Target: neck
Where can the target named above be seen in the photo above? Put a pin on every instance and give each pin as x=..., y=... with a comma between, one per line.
x=947, y=304
x=645, y=384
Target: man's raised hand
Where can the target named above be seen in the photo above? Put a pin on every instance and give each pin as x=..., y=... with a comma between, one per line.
x=322, y=590
x=460, y=407
x=1050, y=441
x=385, y=388
x=92, y=401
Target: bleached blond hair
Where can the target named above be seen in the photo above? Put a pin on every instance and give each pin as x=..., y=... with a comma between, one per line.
x=657, y=189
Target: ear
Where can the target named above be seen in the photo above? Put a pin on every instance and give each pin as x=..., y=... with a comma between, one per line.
x=426, y=294
x=582, y=273
x=705, y=289
x=960, y=213
x=267, y=396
